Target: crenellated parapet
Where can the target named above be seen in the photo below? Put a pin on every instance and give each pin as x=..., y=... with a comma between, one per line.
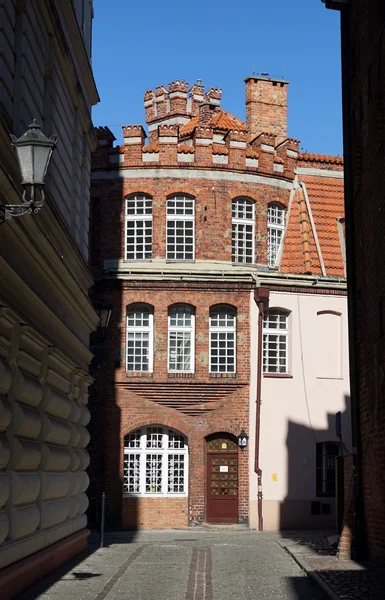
x=206, y=148
x=176, y=104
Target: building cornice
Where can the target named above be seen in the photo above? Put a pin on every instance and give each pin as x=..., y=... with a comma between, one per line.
x=313, y=172
x=160, y=270
x=192, y=173
x=309, y=281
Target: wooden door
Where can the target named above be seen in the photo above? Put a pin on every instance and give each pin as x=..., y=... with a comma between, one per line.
x=222, y=483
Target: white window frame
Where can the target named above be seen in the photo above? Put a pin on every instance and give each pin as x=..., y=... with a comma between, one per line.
x=139, y=330
x=223, y=329
x=282, y=333
x=276, y=222
x=135, y=445
x=135, y=218
x=186, y=204
x=183, y=329
x=240, y=255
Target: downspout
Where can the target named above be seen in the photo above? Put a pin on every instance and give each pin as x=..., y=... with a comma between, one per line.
x=261, y=297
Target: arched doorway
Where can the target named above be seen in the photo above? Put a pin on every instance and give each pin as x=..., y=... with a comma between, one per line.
x=222, y=478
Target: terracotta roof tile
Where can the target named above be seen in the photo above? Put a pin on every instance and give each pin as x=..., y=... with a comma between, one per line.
x=220, y=120
x=186, y=149
x=323, y=158
x=252, y=154
x=219, y=149
x=326, y=199
x=189, y=127
x=151, y=148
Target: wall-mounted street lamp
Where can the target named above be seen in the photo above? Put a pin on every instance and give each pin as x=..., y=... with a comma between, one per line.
x=34, y=151
x=243, y=439
x=104, y=310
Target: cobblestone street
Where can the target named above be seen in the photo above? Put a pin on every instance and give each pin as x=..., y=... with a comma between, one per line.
x=183, y=564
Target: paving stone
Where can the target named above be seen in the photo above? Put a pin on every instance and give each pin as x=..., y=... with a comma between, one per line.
x=181, y=565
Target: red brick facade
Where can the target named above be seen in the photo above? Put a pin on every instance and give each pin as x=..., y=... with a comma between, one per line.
x=195, y=149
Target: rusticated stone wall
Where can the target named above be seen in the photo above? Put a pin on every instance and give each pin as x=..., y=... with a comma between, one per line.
x=43, y=436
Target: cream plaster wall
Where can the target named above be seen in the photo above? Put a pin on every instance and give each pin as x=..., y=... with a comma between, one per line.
x=299, y=411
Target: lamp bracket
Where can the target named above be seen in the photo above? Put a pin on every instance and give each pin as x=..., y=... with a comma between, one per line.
x=32, y=206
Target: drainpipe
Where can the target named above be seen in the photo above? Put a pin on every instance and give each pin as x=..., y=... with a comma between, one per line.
x=261, y=297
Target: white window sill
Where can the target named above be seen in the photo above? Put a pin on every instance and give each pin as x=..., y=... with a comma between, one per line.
x=165, y=496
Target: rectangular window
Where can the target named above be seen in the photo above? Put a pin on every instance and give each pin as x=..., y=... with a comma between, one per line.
x=180, y=228
x=180, y=351
x=138, y=228
x=275, y=342
x=176, y=476
x=326, y=453
x=275, y=230
x=153, y=473
x=139, y=339
x=181, y=339
x=131, y=473
x=243, y=230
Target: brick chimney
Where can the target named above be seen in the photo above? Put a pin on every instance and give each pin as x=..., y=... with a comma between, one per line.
x=266, y=107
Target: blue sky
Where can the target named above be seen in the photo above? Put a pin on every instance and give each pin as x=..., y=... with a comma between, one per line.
x=138, y=45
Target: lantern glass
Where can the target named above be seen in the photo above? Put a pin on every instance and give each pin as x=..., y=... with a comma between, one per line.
x=25, y=157
x=105, y=315
x=34, y=152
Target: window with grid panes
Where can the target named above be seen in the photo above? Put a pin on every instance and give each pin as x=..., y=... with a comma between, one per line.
x=180, y=228
x=326, y=453
x=222, y=339
x=243, y=215
x=138, y=228
x=276, y=215
x=275, y=342
x=181, y=339
x=155, y=462
x=139, y=336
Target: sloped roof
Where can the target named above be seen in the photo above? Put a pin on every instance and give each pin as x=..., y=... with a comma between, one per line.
x=318, y=218
x=221, y=119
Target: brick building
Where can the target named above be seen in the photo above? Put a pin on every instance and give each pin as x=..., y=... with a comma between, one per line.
x=363, y=52
x=194, y=235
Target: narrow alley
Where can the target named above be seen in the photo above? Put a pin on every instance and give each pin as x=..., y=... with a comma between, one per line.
x=181, y=565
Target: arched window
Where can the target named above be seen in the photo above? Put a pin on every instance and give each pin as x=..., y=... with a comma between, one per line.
x=139, y=338
x=275, y=230
x=155, y=462
x=138, y=227
x=180, y=228
x=181, y=339
x=276, y=341
x=243, y=215
x=222, y=339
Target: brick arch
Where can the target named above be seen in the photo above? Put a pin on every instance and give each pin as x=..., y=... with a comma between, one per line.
x=185, y=191
x=280, y=202
x=148, y=189
x=223, y=426
x=223, y=304
x=246, y=194
x=171, y=422
x=181, y=304
x=140, y=192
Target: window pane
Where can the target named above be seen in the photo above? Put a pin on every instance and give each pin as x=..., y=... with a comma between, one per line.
x=138, y=228
x=276, y=227
x=153, y=473
x=176, y=473
x=131, y=473
x=154, y=437
x=180, y=351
